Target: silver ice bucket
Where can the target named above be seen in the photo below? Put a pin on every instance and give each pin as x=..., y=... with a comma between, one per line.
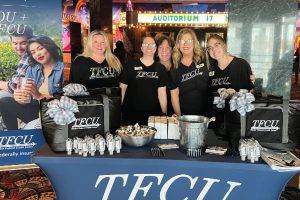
x=193, y=131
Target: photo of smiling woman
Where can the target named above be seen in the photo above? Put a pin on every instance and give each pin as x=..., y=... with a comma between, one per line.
x=97, y=66
x=43, y=78
x=189, y=88
x=143, y=85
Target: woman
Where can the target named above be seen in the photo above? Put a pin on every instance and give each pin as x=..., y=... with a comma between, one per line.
x=44, y=78
x=97, y=66
x=143, y=85
x=190, y=89
x=233, y=74
x=164, y=54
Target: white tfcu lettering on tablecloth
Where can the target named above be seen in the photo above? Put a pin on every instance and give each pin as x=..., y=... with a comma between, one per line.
x=164, y=188
x=86, y=123
x=16, y=142
x=265, y=125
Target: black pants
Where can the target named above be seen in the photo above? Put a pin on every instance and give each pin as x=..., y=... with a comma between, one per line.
x=11, y=110
x=228, y=126
x=131, y=117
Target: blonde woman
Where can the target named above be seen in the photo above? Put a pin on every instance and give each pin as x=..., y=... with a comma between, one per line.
x=97, y=66
x=189, y=88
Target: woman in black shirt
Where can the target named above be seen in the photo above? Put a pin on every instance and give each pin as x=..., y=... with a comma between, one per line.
x=97, y=66
x=164, y=54
x=143, y=85
x=190, y=89
x=233, y=74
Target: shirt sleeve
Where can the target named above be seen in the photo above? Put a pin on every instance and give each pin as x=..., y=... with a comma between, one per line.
x=163, y=76
x=127, y=73
x=174, y=79
x=75, y=74
x=248, y=69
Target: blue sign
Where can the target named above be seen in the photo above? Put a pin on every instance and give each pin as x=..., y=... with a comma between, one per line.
x=17, y=147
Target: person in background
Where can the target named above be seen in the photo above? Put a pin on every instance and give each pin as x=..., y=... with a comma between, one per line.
x=97, y=67
x=19, y=38
x=164, y=55
x=296, y=63
x=143, y=86
x=120, y=52
x=190, y=80
x=44, y=78
x=233, y=74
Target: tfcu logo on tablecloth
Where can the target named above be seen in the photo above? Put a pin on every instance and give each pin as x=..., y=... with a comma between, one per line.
x=123, y=179
x=265, y=125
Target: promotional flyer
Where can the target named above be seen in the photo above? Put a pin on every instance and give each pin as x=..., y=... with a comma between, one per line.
x=31, y=68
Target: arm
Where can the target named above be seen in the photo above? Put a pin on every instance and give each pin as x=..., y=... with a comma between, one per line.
x=175, y=101
x=3, y=85
x=162, y=98
x=123, y=91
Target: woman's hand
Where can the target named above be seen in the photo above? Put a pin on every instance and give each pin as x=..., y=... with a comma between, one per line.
x=31, y=87
x=21, y=96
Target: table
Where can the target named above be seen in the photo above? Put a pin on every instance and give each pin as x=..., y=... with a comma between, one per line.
x=135, y=174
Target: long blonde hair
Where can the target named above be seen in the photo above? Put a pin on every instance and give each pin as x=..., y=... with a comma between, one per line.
x=112, y=60
x=199, y=54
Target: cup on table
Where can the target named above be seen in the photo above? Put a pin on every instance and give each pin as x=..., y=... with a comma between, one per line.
x=23, y=82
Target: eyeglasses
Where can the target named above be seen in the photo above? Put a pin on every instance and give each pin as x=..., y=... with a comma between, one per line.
x=149, y=45
x=187, y=42
x=216, y=45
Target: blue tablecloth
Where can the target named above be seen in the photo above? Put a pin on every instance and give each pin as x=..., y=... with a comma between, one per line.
x=135, y=174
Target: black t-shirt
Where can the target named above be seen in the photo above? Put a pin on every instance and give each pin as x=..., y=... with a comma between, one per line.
x=91, y=74
x=193, y=84
x=142, y=84
x=236, y=76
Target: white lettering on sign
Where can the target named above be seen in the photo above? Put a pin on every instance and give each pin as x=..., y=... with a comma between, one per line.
x=87, y=123
x=164, y=188
x=16, y=141
x=192, y=74
x=143, y=74
x=265, y=125
x=104, y=72
x=220, y=81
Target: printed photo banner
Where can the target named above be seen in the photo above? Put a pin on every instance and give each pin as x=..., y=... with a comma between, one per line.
x=30, y=41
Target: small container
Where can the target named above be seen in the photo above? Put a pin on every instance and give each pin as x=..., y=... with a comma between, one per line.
x=75, y=144
x=101, y=145
x=118, y=144
x=111, y=146
x=92, y=147
x=85, y=148
x=69, y=146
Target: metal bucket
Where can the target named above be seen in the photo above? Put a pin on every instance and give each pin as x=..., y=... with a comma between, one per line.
x=193, y=131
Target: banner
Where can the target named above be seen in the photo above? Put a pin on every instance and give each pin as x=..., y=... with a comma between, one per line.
x=31, y=68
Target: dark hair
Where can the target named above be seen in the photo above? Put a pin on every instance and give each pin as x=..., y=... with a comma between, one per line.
x=162, y=38
x=21, y=31
x=48, y=44
x=119, y=45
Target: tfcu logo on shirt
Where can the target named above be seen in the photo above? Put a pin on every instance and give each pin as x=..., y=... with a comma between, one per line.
x=104, y=72
x=220, y=81
x=265, y=125
x=192, y=74
x=143, y=74
x=87, y=123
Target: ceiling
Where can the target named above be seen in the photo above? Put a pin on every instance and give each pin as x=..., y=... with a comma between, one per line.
x=172, y=1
